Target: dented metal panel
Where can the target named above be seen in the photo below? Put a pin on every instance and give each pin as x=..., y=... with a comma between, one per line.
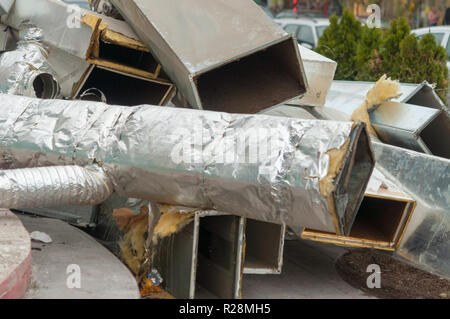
x=147, y=159
x=217, y=57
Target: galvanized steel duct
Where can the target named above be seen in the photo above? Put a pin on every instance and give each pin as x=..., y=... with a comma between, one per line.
x=53, y=186
x=176, y=156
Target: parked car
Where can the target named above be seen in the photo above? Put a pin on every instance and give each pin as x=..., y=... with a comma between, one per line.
x=81, y=3
x=291, y=14
x=307, y=30
x=441, y=35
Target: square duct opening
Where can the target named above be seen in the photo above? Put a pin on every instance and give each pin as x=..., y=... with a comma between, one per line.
x=255, y=82
x=380, y=223
x=126, y=89
x=435, y=135
x=354, y=178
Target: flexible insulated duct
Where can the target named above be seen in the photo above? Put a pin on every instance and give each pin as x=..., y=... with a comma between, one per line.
x=300, y=172
x=53, y=186
x=25, y=71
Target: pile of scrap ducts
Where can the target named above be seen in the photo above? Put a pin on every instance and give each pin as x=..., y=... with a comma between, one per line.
x=190, y=115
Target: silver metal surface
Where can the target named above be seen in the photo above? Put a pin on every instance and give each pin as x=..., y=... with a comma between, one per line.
x=61, y=24
x=222, y=55
x=414, y=127
x=53, y=186
x=425, y=178
x=80, y=216
x=5, y=6
x=346, y=96
x=204, y=259
x=7, y=41
x=191, y=158
x=319, y=73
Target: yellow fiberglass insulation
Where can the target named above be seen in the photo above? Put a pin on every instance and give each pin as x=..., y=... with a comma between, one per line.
x=133, y=243
x=384, y=90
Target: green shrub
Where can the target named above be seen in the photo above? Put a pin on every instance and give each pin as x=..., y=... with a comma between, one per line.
x=365, y=54
x=340, y=42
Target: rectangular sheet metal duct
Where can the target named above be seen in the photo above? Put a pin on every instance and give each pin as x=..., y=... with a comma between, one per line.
x=124, y=89
x=381, y=221
x=147, y=152
x=347, y=95
x=264, y=245
x=319, y=72
x=223, y=55
x=414, y=127
x=204, y=259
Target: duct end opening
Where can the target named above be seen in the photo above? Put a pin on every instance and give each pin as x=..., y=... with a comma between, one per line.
x=435, y=135
x=263, y=254
x=255, y=82
x=125, y=89
x=133, y=58
x=45, y=86
x=217, y=257
x=354, y=178
x=380, y=223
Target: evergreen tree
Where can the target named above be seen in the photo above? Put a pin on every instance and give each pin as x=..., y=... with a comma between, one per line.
x=367, y=54
x=390, y=47
x=339, y=42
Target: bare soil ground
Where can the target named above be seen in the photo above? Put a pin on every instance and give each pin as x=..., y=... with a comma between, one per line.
x=398, y=280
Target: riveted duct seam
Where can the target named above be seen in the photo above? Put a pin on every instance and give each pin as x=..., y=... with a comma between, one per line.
x=139, y=148
x=53, y=186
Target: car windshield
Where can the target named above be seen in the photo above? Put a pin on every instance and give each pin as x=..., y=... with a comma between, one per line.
x=81, y=4
x=286, y=14
x=320, y=30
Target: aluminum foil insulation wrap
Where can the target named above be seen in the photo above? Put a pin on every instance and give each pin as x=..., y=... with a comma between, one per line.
x=25, y=71
x=261, y=167
x=53, y=186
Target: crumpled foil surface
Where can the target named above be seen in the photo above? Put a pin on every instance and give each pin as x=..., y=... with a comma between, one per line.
x=182, y=157
x=53, y=186
x=19, y=68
